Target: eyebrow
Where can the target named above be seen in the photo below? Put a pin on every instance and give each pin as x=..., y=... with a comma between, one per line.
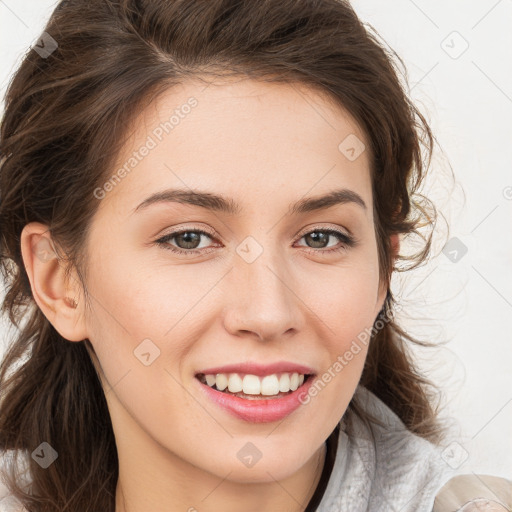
x=228, y=206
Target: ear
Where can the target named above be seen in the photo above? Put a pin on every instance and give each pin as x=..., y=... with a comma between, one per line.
x=395, y=248
x=58, y=297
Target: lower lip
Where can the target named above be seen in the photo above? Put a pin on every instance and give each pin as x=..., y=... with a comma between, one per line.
x=258, y=411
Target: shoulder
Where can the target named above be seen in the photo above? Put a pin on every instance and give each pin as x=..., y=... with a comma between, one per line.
x=7, y=502
x=474, y=493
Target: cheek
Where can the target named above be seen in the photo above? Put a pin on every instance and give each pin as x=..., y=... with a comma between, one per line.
x=344, y=298
x=353, y=319
x=348, y=310
x=144, y=322
x=136, y=299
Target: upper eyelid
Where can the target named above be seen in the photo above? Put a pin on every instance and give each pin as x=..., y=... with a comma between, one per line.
x=325, y=228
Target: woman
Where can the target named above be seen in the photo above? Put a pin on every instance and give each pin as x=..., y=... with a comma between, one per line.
x=202, y=205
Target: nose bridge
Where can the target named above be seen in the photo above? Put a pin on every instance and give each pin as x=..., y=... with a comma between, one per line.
x=263, y=301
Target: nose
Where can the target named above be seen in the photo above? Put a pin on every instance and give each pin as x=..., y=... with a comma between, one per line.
x=264, y=300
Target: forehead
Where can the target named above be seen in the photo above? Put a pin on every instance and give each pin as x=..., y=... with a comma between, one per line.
x=245, y=138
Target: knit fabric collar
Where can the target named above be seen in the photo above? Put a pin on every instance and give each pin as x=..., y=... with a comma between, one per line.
x=380, y=468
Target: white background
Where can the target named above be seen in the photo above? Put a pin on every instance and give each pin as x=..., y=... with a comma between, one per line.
x=466, y=94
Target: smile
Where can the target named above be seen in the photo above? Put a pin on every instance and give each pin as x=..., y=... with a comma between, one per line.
x=256, y=399
x=253, y=386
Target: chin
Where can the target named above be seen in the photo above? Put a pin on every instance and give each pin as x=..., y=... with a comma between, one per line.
x=278, y=465
x=264, y=474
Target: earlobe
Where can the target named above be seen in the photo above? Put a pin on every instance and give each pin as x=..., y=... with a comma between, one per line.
x=55, y=294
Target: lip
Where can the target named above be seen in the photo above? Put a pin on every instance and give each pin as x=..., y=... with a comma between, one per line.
x=265, y=410
x=259, y=369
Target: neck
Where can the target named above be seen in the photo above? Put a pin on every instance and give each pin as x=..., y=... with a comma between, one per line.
x=168, y=483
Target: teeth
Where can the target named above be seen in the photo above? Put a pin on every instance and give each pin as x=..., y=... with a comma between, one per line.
x=221, y=381
x=235, y=383
x=269, y=385
x=284, y=383
x=294, y=381
x=251, y=385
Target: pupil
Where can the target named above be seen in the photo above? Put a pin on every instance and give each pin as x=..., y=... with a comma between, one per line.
x=318, y=235
x=188, y=243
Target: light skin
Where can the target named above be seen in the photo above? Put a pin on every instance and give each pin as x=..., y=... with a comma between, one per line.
x=265, y=146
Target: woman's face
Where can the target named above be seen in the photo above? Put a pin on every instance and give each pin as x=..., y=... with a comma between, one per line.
x=267, y=284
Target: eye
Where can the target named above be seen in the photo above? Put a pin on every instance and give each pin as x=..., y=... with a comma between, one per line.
x=188, y=241
x=320, y=238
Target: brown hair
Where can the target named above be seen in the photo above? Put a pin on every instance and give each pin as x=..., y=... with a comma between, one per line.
x=65, y=120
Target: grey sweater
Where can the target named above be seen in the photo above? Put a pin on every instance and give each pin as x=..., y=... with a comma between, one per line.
x=383, y=468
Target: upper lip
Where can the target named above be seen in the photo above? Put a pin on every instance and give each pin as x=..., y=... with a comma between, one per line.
x=253, y=368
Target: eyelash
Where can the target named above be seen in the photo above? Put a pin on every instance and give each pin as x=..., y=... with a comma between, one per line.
x=347, y=242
